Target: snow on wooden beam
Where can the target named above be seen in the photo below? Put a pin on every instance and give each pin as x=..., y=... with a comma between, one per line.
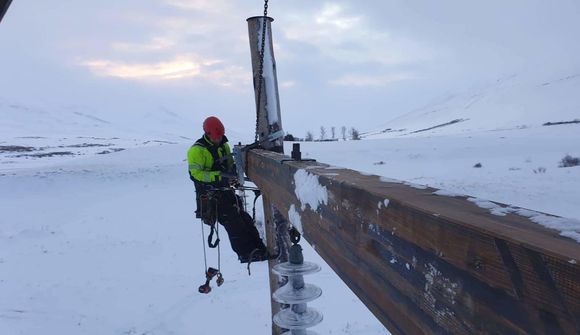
x=426, y=261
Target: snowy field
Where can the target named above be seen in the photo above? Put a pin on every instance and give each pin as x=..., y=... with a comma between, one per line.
x=106, y=243
x=518, y=166
x=97, y=228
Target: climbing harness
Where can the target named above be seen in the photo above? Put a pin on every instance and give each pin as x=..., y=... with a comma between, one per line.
x=255, y=190
x=210, y=219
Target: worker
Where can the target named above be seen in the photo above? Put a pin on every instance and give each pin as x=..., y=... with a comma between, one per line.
x=212, y=170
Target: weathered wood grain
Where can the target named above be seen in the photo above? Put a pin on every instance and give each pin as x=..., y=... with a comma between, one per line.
x=430, y=264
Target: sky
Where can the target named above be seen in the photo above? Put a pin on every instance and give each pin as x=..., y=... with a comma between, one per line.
x=340, y=63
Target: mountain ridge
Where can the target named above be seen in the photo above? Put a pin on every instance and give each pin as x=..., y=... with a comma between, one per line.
x=512, y=102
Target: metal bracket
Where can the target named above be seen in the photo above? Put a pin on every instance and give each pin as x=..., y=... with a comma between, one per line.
x=274, y=136
x=239, y=161
x=296, y=155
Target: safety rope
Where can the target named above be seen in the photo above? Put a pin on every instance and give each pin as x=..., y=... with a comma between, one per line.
x=251, y=257
x=217, y=232
x=203, y=240
x=214, y=228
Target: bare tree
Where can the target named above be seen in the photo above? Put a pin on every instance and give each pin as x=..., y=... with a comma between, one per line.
x=343, y=130
x=354, y=134
x=333, y=132
x=309, y=136
x=322, y=133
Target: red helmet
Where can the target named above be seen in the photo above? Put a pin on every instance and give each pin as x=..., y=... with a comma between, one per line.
x=213, y=128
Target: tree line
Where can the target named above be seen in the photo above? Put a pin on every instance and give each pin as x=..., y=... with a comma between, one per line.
x=323, y=135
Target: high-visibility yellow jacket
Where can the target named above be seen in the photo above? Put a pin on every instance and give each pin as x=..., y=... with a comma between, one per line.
x=207, y=160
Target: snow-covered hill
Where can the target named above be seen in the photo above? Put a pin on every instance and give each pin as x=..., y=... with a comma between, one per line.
x=29, y=119
x=32, y=136
x=513, y=102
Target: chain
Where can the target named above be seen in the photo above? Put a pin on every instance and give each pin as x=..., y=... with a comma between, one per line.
x=261, y=71
x=217, y=232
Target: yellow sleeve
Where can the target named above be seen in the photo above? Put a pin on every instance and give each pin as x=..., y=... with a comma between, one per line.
x=198, y=159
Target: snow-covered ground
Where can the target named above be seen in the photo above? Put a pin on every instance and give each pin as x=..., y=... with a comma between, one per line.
x=518, y=166
x=98, y=235
x=108, y=244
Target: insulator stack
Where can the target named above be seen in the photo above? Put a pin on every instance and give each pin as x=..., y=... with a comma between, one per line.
x=298, y=317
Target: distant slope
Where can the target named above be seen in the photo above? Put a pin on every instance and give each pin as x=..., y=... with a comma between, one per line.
x=25, y=119
x=516, y=101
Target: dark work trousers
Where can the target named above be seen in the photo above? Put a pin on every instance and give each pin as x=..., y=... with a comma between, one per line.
x=242, y=232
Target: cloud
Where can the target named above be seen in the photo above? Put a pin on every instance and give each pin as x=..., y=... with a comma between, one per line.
x=363, y=80
x=348, y=38
x=236, y=77
x=189, y=44
x=287, y=84
x=331, y=16
x=155, y=44
x=211, y=6
x=181, y=26
x=181, y=67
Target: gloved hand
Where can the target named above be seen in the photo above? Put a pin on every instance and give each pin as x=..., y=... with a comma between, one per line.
x=235, y=182
x=230, y=179
x=227, y=175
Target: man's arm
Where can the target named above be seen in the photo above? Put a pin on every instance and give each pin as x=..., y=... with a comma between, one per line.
x=197, y=158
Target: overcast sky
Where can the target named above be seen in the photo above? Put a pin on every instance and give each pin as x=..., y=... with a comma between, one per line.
x=352, y=63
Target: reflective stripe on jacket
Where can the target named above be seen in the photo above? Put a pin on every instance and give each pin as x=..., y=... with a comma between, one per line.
x=202, y=165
